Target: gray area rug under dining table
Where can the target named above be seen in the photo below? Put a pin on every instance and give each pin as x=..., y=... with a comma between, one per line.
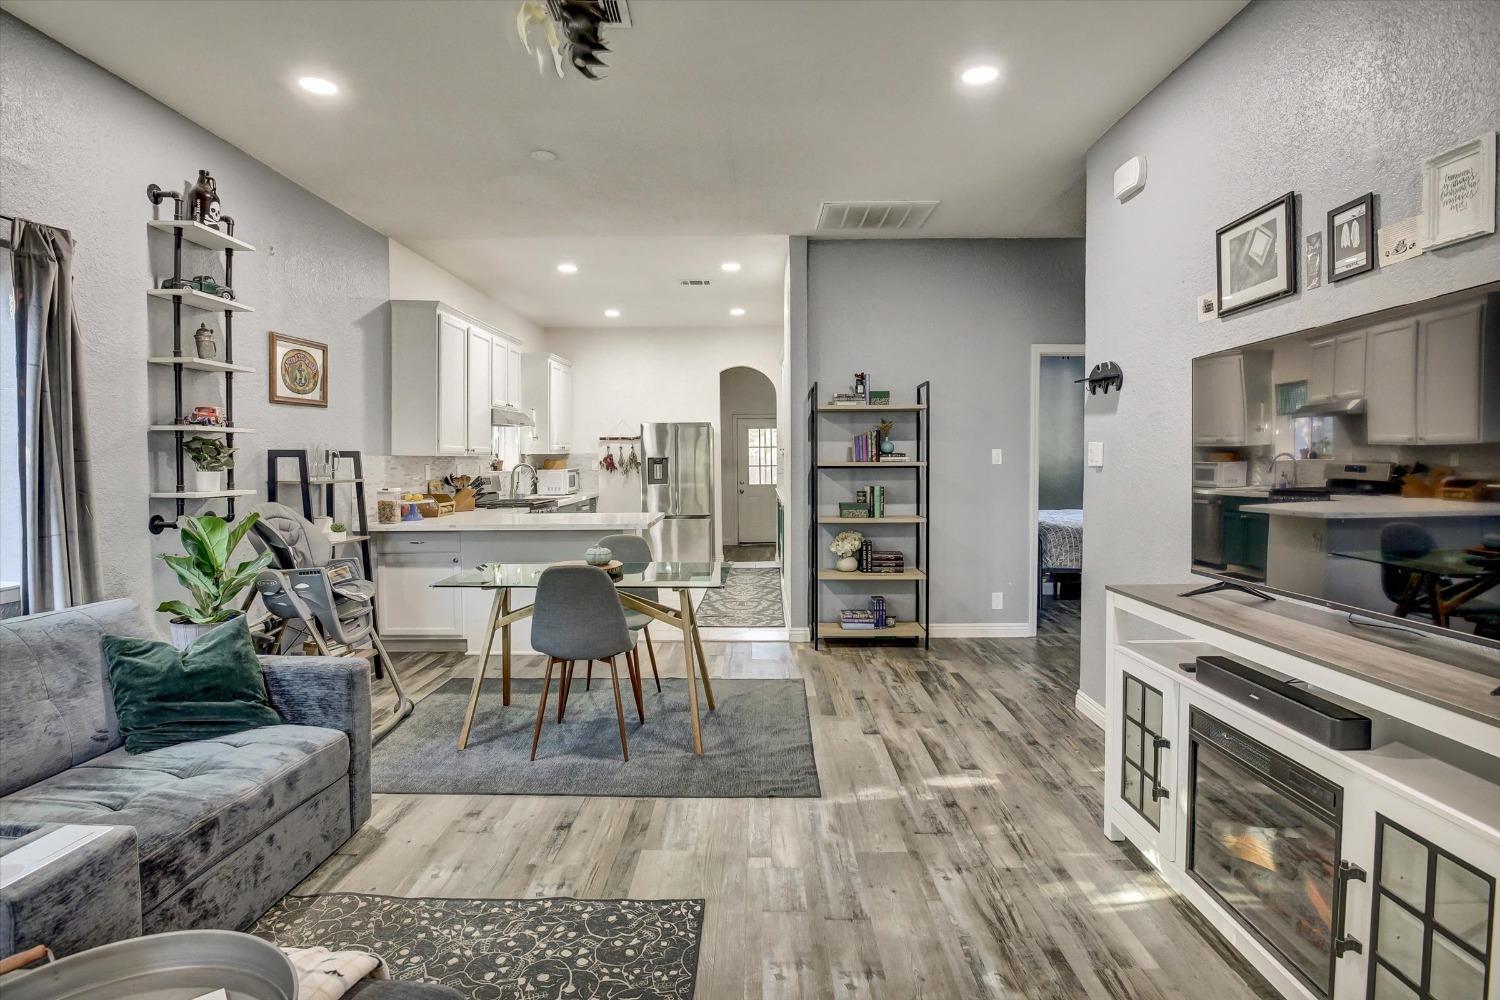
x=488, y=949
x=758, y=744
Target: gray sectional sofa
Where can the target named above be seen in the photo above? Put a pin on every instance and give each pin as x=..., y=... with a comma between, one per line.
x=204, y=834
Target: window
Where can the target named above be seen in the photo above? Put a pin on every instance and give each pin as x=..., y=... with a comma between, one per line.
x=760, y=452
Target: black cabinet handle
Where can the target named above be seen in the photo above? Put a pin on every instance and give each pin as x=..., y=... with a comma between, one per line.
x=1158, y=744
x=1342, y=942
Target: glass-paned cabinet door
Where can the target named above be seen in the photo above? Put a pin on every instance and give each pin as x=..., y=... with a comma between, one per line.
x=1431, y=926
x=1144, y=782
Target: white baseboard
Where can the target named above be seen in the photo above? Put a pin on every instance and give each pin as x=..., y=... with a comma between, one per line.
x=980, y=630
x=725, y=633
x=799, y=635
x=1089, y=708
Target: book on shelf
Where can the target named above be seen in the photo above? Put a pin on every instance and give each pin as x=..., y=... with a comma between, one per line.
x=880, y=397
x=859, y=510
x=876, y=500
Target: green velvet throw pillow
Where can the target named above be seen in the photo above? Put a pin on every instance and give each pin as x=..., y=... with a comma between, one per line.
x=164, y=696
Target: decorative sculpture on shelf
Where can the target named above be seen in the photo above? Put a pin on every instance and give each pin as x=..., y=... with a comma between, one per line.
x=571, y=30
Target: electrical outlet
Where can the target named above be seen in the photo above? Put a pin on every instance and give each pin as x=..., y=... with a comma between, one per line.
x=995, y=456
x=997, y=601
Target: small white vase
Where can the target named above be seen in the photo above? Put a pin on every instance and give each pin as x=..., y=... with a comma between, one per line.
x=848, y=564
x=207, y=482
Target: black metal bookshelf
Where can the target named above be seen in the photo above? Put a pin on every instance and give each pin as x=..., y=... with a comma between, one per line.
x=918, y=575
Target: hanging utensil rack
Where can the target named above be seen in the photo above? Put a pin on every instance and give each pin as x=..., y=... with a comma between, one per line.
x=188, y=231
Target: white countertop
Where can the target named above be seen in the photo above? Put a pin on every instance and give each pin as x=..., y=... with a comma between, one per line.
x=523, y=520
x=1375, y=507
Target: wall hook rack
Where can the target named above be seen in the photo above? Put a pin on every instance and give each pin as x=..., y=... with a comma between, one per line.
x=1105, y=375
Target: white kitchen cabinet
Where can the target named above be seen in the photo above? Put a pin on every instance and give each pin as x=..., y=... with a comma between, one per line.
x=1391, y=385
x=1321, y=362
x=1452, y=375
x=547, y=385
x=513, y=375
x=1141, y=724
x=1336, y=368
x=408, y=603
x=499, y=374
x=1232, y=399
x=443, y=379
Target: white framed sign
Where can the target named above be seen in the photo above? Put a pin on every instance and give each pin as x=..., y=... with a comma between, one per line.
x=1458, y=193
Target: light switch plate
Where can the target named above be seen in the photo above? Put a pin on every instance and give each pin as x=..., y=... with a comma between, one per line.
x=997, y=601
x=1095, y=459
x=995, y=456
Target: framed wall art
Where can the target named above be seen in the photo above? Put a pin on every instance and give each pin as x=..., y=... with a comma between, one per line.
x=1256, y=255
x=1351, y=238
x=299, y=371
x=1458, y=193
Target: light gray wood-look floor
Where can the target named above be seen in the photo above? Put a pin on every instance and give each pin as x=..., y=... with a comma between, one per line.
x=956, y=851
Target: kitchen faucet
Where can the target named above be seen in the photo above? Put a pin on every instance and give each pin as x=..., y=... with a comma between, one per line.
x=516, y=472
x=1271, y=467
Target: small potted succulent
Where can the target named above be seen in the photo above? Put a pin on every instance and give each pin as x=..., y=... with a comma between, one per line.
x=846, y=545
x=206, y=573
x=338, y=531
x=211, y=456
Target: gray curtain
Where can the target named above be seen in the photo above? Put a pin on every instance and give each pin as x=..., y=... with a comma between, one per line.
x=60, y=564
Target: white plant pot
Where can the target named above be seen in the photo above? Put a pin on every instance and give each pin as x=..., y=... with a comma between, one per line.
x=184, y=632
x=323, y=524
x=207, y=482
x=848, y=564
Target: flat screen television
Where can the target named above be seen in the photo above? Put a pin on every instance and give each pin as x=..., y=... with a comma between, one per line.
x=1357, y=465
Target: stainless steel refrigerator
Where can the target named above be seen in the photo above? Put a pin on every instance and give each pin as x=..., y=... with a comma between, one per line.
x=677, y=480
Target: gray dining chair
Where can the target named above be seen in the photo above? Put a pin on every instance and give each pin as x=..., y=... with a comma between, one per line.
x=578, y=616
x=635, y=549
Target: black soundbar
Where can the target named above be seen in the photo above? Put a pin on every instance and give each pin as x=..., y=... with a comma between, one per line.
x=1330, y=723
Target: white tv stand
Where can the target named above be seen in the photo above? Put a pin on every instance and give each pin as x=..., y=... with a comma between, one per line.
x=1411, y=898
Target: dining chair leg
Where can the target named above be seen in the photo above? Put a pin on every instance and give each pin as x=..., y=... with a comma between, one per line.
x=541, y=708
x=619, y=708
x=563, y=687
x=588, y=679
x=633, y=666
x=651, y=652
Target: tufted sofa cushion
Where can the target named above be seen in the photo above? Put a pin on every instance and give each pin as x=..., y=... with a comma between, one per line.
x=193, y=803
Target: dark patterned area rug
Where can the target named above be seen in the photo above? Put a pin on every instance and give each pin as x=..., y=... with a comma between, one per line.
x=488, y=949
x=749, y=598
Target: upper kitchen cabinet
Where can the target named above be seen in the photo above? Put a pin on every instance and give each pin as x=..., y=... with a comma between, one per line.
x=547, y=384
x=447, y=371
x=1435, y=378
x=1232, y=399
x=1336, y=368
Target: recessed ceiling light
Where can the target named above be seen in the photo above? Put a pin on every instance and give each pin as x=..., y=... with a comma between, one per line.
x=543, y=155
x=978, y=76
x=730, y=265
x=567, y=268
x=612, y=313
x=318, y=85
x=737, y=311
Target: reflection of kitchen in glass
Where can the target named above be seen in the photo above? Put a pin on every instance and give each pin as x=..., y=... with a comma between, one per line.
x=1359, y=463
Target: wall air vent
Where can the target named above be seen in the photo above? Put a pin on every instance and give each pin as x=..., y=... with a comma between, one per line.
x=616, y=12
x=853, y=216
x=696, y=282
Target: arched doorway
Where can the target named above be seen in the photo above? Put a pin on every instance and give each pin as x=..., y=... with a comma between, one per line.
x=750, y=464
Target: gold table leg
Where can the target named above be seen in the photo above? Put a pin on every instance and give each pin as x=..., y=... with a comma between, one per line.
x=504, y=646
x=687, y=655
x=502, y=599
x=692, y=629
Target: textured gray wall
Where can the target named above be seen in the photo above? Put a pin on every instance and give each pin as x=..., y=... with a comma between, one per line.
x=962, y=314
x=77, y=149
x=1060, y=434
x=1327, y=99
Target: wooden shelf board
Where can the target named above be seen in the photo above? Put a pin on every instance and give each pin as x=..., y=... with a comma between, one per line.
x=873, y=465
x=901, y=630
x=193, y=495
x=197, y=429
x=201, y=365
x=888, y=519
x=204, y=236
x=198, y=300
x=315, y=481
x=831, y=575
x=349, y=540
x=893, y=408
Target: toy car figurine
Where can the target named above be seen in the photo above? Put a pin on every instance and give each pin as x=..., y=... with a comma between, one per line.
x=200, y=283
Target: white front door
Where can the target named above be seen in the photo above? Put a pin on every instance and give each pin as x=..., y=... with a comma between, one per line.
x=758, y=449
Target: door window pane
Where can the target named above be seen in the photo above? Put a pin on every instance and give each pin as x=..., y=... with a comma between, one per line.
x=1462, y=902
x=1400, y=941
x=1388, y=987
x=1403, y=867
x=1456, y=975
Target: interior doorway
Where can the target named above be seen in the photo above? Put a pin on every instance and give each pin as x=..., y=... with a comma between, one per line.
x=756, y=471
x=1057, y=464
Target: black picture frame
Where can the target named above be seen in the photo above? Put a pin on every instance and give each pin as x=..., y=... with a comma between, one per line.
x=1287, y=247
x=1366, y=232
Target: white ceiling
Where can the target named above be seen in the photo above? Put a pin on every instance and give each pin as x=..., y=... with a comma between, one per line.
x=722, y=122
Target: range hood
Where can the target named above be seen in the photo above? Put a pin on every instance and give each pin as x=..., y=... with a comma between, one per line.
x=1331, y=408
x=510, y=416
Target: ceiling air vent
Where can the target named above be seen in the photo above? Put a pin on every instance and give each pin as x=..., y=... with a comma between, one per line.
x=616, y=12
x=697, y=282
x=849, y=216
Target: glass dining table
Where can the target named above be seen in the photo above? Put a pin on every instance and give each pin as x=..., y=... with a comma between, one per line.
x=1446, y=579
x=681, y=577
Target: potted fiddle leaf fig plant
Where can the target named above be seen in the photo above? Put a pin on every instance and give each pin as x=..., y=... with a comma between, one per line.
x=205, y=570
x=211, y=456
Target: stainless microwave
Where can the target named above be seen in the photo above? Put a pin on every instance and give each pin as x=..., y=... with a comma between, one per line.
x=1220, y=475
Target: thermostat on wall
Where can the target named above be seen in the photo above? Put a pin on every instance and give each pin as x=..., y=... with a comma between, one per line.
x=1130, y=177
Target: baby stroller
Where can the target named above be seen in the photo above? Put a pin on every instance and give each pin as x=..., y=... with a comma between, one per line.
x=315, y=593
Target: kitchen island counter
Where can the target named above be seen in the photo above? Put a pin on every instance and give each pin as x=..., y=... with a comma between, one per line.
x=509, y=520
x=1376, y=507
